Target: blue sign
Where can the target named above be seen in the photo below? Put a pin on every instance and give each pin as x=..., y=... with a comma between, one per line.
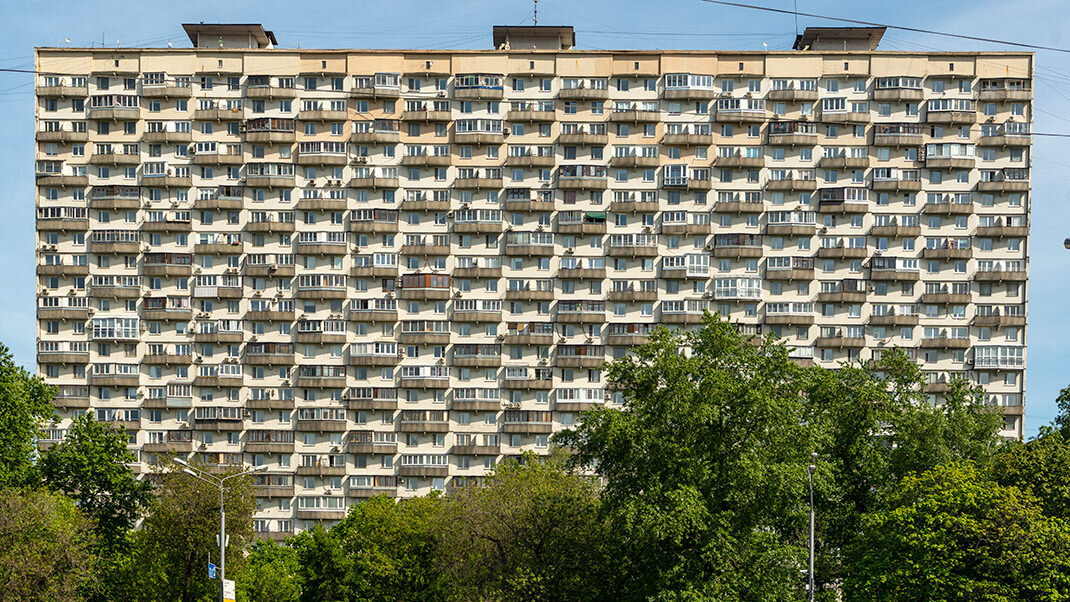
x=211, y=571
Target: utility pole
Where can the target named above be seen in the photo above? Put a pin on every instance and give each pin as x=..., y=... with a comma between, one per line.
x=810, y=580
x=218, y=482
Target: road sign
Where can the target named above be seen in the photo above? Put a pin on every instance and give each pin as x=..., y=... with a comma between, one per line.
x=228, y=591
x=211, y=571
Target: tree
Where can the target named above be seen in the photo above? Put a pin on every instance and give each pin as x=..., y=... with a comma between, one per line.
x=45, y=548
x=178, y=534
x=705, y=467
x=1062, y=420
x=25, y=402
x=531, y=532
x=89, y=465
x=950, y=534
x=381, y=551
x=270, y=573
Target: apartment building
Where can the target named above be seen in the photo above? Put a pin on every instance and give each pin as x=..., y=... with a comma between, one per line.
x=382, y=271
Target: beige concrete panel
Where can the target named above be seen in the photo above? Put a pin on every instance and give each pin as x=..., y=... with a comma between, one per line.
x=636, y=65
x=321, y=62
x=745, y=64
x=584, y=65
x=803, y=65
x=852, y=65
x=908, y=65
x=272, y=63
x=372, y=63
x=951, y=66
x=174, y=63
x=687, y=63
x=219, y=61
x=59, y=61
x=1005, y=66
x=495, y=62
x=533, y=64
x=440, y=63
x=127, y=62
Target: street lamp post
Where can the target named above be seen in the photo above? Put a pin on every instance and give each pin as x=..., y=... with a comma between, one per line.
x=218, y=482
x=810, y=473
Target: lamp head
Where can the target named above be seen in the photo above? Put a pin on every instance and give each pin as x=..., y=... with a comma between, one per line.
x=190, y=472
x=181, y=462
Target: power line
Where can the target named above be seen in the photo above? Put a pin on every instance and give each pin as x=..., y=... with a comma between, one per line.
x=886, y=26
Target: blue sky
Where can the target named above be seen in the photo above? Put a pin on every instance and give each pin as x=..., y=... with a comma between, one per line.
x=600, y=24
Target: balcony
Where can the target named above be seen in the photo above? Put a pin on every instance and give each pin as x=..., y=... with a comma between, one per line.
x=531, y=116
x=271, y=226
x=1007, y=180
x=476, y=405
x=321, y=470
x=843, y=162
x=322, y=115
x=63, y=313
x=477, y=227
x=373, y=315
x=792, y=95
x=895, y=231
x=1004, y=95
x=1001, y=231
x=218, y=248
x=478, y=137
x=424, y=471
x=426, y=338
x=682, y=317
x=1000, y=276
x=899, y=94
x=687, y=139
x=634, y=161
x=219, y=114
x=634, y=116
x=63, y=91
x=56, y=179
x=62, y=224
x=484, y=272
x=167, y=137
x=534, y=384
x=115, y=159
x=267, y=91
x=166, y=269
x=425, y=115
x=854, y=294
x=738, y=161
x=841, y=342
x=582, y=273
x=165, y=91
x=583, y=94
x=167, y=226
x=842, y=252
x=373, y=182
x=375, y=137
x=951, y=117
x=279, y=358
x=362, y=271
x=62, y=357
x=516, y=338
x=791, y=274
x=947, y=253
x=945, y=343
x=476, y=450
x=425, y=250
x=166, y=181
x=999, y=321
x=363, y=442
x=947, y=209
x=321, y=158
x=117, y=291
x=114, y=113
x=321, y=426
x=218, y=424
x=633, y=295
x=270, y=136
x=894, y=319
x=530, y=161
x=792, y=185
x=528, y=427
x=583, y=138
x=851, y=117
x=895, y=185
x=789, y=319
x=492, y=93
x=893, y=275
x=529, y=295
x=477, y=183
x=634, y=206
x=321, y=204
x=793, y=229
x=580, y=361
x=61, y=136
x=476, y=316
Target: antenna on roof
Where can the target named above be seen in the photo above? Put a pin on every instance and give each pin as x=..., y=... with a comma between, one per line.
x=535, y=18
x=796, y=17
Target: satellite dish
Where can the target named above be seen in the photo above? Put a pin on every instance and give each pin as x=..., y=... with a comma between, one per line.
x=169, y=44
x=1066, y=243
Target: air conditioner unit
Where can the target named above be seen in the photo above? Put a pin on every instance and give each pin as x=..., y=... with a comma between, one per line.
x=570, y=250
x=501, y=337
x=457, y=294
x=441, y=94
x=449, y=214
x=253, y=338
x=335, y=449
x=709, y=247
x=542, y=361
x=590, y=340
x=362, y=160
x=198, y=359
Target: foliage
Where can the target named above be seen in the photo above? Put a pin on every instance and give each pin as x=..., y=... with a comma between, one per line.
x=532, y=532
x=382, y=551
x=89, y=466
x=270, y=573
x=705, y=467
x=45, y=548
x=25, y=403
x=1062, y=420
x=949, y=534
x=171, y=550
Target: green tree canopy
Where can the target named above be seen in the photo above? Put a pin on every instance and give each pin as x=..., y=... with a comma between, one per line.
x=270, y=573
x=531, y=532
x=25, y=403
x=951, y=534
x=171, y=550
x=45, y=548
x=89, y=465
